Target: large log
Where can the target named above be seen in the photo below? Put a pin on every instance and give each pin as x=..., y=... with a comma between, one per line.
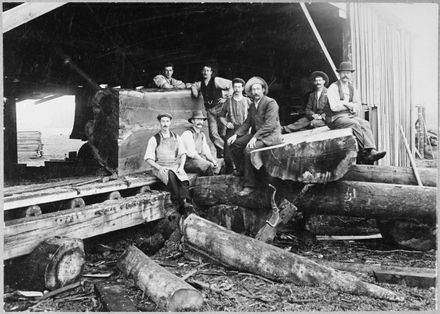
x=168, y=291
x=341, y=198
x=390, y=174
x=250, y=255
x=21, y=236
x=313, y=156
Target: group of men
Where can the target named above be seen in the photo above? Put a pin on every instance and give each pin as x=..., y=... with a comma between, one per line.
x=239, y=124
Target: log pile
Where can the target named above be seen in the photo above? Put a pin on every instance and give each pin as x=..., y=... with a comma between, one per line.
x=29, y=145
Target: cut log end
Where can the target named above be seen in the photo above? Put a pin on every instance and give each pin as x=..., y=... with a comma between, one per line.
x=185, y=300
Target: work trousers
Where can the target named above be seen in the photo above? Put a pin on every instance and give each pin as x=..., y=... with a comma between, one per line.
x=302, y=124
x=242, y=158
x=179, y=190
x=229, y=161
x=216, y=128
x=361, y=130
x=200, y=166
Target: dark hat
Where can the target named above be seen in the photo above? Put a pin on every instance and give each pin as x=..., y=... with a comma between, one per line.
x=345, y=66
x=256, y=80
x=164, y=114
x=238, y=80
x=320, y=74
x=197, y=115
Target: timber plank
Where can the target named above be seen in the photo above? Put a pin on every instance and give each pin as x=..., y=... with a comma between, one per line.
x=410, y=279
x=21, y=236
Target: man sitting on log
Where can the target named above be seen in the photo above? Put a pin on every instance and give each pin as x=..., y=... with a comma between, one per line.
x=198, y=155
x=315, y=116
x=264, y=123
x=232, y=117
x=344, y=108
x=215, y=90
x=165, y=80
x=166, y=155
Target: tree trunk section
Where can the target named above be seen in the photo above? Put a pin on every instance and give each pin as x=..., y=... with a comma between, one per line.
x=168, y=291
x=250, y=255
x=313, y=156
x=54, y=263
x=390, y=174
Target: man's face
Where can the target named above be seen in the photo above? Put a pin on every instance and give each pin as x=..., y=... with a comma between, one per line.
x=257, y=91
x=198, y=123
x=168, y=72
x=345, y=76
x=319, y=82
x=238, y=88
x=206, y=72
x=165, y=123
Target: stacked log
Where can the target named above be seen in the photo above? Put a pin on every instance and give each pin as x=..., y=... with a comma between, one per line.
x=29, y=145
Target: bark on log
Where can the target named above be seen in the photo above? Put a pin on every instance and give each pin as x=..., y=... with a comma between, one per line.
x=390, y=174
x=313, y=156
x=250, y=255
x=168, y=291
x=341, y=198
x=56, y=262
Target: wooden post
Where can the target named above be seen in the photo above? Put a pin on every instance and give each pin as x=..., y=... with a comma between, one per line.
x=411, y=157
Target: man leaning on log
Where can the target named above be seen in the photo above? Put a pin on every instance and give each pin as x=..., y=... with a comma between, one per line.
x=344, y=110
x=166, y=79
x=166, y=155
x=264, y=123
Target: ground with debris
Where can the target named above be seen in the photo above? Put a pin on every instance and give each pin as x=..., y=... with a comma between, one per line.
x=232, y=290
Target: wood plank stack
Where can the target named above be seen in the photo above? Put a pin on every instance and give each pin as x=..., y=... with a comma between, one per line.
x=29, y=145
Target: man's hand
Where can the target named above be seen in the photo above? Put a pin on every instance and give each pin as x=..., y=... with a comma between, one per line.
x=229, y=125
x=188, y=85
x=163, y=171
x=316, y=116
x=251, y=143
x=221, y=100
x=349, y=106
x=214, y=164
x=232, y=139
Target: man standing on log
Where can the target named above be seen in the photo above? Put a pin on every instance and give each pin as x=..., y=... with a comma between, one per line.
x=264, y=123
x=166, y=155
x=199, y=158
x=215, y=90
x=315, y=116
x=165, y=80
x=344, y=108
x=232, y=117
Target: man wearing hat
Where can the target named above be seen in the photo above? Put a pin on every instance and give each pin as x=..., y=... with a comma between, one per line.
x=215, y=90
x=166, y=155
x=343, y=110
x=199, y=158
x=232, y=117
x=264, y=123
x=315, y=116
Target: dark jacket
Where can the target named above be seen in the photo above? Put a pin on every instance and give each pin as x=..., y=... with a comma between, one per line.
x=263, y=122
x=315, y=105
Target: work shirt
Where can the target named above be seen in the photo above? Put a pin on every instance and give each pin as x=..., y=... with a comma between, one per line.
x=224, y=84
x=195, y=144
x=235, y=111
x=336, y=104
x=162, y=82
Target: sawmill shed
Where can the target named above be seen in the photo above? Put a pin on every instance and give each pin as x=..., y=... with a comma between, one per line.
x=126, y=44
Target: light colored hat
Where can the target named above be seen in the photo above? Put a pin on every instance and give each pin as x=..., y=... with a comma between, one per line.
x=197, y=115
x=256, y=80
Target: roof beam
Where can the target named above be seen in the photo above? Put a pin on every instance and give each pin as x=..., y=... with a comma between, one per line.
x=26, y=12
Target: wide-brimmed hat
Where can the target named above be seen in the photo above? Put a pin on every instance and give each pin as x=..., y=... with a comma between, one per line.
x=345, y=66
x=198, y=114
x=164, y=114
x=320, y=74
x=256, y=80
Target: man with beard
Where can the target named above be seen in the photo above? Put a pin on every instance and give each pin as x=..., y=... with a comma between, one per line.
x=167, y=81
x=199, y=158
x=315, y=116
x=264, y=123
x=166, y=155
x=215, y=90
x=344, y=107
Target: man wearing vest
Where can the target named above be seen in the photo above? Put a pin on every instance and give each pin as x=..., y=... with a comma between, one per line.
x=344, y=107
x=199, y=158
x=215, y=90
x=315, y=116
x=166, y=155
x=167, y=81
x=232, y=117
x=264, y=123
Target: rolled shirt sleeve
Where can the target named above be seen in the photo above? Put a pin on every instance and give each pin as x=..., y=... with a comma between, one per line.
x=188, y=144
x=181, y=148
x=336, y=104
x=205, y=149
x=150, y=152
x=225, y=85
x=195, y=89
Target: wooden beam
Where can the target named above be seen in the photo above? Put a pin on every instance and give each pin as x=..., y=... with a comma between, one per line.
x=26, y=12
x=410, y=279
x=318, y=37
x=21, y=236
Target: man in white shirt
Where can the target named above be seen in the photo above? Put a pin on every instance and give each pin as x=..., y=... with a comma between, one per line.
x=167, y=81
x=343, y=110
x=199, y=158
